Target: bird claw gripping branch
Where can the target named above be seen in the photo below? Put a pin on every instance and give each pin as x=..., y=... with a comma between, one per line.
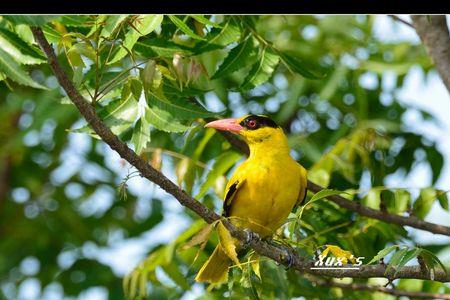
x=249, y=237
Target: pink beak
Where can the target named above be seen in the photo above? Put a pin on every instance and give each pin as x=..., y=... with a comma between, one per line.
x=225, y=124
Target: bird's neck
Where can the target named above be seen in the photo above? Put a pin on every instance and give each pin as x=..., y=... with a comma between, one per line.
x=273, y=146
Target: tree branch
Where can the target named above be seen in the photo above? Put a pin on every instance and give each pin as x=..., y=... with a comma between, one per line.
x=357, y=207
x=277, y=253
x=396, y=18
x=433, y=32
x=382, y=289
x=384, y=216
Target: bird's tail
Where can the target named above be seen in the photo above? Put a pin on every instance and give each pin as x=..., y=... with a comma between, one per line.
x=215, y=269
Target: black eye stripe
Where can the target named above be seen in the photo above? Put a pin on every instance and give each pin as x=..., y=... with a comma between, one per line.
x=260, y=121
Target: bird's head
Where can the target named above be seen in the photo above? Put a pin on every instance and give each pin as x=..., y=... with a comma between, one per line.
x=255, y=129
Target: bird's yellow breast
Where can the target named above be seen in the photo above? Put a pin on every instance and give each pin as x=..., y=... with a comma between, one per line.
x=269, y=193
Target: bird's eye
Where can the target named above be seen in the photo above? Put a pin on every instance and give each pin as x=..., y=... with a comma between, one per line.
x=251, y=124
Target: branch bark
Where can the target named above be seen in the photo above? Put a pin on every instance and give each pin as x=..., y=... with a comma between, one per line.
x=382, y=289
x=275, y=252
x=433, y=32
x=357, y=207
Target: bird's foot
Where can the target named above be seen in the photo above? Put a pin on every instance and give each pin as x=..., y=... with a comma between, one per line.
x=287, y=256
x=249, y=236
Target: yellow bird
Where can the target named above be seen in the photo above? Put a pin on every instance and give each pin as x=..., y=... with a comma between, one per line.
x=260, y=194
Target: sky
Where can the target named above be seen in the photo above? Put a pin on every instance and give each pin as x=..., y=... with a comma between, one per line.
x=123, y=255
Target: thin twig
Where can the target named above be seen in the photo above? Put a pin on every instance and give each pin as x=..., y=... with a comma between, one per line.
x=398, y=19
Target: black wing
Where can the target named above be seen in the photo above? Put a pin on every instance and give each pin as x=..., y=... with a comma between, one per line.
x=229, y=197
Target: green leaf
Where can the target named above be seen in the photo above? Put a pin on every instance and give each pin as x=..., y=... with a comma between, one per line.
x=397, y=257
x=14, y=72
x=96, y=24
x=51, y=34
x=301, y=67
x=203, y=20
x=224, y=162
x=237, y=58
x=161, y=47
x=34, y=20
x=179, y=108
x=410, y=254
x=172, y=91
x=77, y=76
x=387, y=198
x=74, y=57
x=141, y=135
x=424, y=203
x=163, y=120
x=84, y=49
x=218, y=38
x=261, y=70
x=151, y=77
x=24, y=33
x=75, y=20
x=324, y=193
x=174, y=273
x=382, y=253
x=136, y=87
x=143, y=25
x=443, y=200
x=402, y=200
x=433, y=258
x=118, y=115
x=373, y=198
x=184, y=28
x=111, y=24
x=22, y=52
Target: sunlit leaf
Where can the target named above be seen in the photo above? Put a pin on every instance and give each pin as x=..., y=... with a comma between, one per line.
x=184, y=27
x=423, y=204
x=237, y=58
x=402, y=200
x=111, y=25
x=22, y=52
x=143, y=25
x=13, y=71
x=219, y=37
x=323, y=194
x=51, y=34
x=179, y=108
x=164, y=120
x=141, y=135
x=118, y=115
x=382, y=253
x=397, y=257
x=205, y=21
x=261, y=70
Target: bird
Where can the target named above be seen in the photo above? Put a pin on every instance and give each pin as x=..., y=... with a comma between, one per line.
x=261, y=192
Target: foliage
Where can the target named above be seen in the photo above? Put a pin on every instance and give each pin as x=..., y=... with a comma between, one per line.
x=154, y=80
